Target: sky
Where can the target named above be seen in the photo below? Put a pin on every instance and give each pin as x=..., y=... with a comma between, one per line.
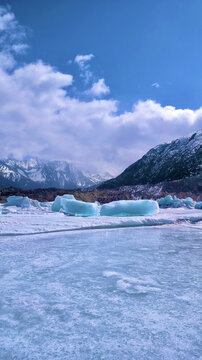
x=98, y=82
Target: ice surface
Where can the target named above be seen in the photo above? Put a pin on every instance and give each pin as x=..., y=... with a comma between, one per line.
x=114, y=295
x=42, y=220
x=70, y=206
x=130, y=208
x=169, y=201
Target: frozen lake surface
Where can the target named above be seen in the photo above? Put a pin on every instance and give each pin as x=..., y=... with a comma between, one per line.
x=104, y=294
x=39, y=221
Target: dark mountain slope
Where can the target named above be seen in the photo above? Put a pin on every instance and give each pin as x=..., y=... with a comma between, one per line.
x=171, y=161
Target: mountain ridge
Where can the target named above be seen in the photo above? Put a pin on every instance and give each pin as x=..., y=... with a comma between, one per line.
x=34, y=173
x=176, y=160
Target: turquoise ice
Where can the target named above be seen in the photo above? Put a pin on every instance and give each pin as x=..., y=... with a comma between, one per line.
x=70, y=206
x=59, y=202
x=175, y=202
x=198, y=205
x=21, y=201
x=80, y=208
x=130, y=208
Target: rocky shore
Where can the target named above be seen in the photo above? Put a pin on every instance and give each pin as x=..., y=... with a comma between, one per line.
x=182, y=188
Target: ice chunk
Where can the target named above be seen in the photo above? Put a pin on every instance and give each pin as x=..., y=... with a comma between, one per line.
x=44, y=204
x=198, y=205
x=57, y=205
x=69, y=197
x=70, y=206
x=14, y=200
x=60, y=200
x=79, y=208
x=25, y=202
x=130, y=208
x=176, y=202
x=35, y=203
x=189, y=202
x=21, y=201
x=168, y=201
x=18, y=201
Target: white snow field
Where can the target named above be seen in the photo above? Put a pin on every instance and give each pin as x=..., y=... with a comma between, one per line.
x=123, y=289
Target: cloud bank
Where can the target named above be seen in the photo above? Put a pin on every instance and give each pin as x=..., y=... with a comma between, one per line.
x=38, y=117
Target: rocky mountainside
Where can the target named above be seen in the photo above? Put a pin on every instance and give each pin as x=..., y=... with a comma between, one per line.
x=179, y=159
x=33, y=174
x=181, y=188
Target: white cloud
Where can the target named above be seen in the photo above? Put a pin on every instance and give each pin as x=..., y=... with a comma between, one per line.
x=19, y=48
x=7, y=61
x=98, y=89
x=156, y=85
x=83, y=63
x=39, y=118
x=7, y=19
x=81, y=59
x=12, y=38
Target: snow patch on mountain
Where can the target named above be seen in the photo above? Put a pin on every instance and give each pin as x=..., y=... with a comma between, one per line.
x=34, y=173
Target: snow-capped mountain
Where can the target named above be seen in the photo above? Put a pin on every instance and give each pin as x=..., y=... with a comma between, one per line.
x=98, y=178
x=34, y=173
x=170, y=161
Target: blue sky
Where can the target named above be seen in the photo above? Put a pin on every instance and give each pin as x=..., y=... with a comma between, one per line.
x=137, y=83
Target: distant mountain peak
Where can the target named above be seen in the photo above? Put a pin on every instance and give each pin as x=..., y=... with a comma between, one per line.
x=175, y=160
x=34, y=173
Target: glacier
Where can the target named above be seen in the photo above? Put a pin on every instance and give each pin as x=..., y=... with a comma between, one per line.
x=130, y=208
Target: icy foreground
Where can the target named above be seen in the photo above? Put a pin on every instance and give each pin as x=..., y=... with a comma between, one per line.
x=33, y=220
x=112, y=294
